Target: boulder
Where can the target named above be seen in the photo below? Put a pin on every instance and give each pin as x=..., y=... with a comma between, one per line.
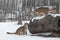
x=46, y=24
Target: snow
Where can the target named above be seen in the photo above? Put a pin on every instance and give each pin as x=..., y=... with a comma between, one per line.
x=12, y=27
x=54, y=15
x=38, y=17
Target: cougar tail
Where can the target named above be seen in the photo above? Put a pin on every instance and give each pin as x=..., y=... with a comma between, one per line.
x=10, y=33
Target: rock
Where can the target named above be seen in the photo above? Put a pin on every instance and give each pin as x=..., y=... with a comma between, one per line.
x=46, y=24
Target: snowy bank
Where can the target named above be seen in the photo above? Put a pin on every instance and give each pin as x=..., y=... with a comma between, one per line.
x=12, y=27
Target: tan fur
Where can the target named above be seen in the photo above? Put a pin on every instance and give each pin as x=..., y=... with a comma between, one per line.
x=21, y=30
x=44, y=10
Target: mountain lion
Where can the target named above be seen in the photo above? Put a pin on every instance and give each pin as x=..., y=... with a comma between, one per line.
x=21, y=30
x=44, y=10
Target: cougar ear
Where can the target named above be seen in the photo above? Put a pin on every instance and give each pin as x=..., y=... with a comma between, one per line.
x=30, y=20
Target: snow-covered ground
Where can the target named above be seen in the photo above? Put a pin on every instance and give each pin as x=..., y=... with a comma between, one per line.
x=12, y=27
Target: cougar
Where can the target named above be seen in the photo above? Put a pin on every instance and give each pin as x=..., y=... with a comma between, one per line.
x=44, y=10
x=21, y=30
